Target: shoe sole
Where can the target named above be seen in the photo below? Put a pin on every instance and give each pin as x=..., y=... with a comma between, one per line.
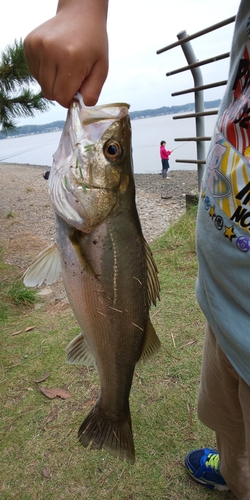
x=211, y=486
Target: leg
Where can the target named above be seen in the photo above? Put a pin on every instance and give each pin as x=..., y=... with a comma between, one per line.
x=162, y=168
x=222, y=397
x=167, y=162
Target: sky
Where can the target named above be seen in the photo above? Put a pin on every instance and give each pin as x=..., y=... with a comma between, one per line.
x=137, y=29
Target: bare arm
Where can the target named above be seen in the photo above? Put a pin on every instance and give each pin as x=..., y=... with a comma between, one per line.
x=70, y=51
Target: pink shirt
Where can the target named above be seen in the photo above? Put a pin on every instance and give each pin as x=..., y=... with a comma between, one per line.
x=164, y=154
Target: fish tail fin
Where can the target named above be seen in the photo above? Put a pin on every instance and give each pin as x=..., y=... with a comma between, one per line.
x=98, y=431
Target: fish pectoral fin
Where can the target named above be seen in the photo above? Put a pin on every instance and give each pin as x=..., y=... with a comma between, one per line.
x=46, y=268
x=99, y=430
x=78, y=353
x=152, y=343
x=153, y=284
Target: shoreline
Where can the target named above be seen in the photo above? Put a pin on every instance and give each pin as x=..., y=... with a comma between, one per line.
x=46, y=167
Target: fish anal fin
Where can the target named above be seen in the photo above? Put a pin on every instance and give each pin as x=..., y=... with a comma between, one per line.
x=78, y=352
x=152, y=343
x=46, y=268
x=115, y=436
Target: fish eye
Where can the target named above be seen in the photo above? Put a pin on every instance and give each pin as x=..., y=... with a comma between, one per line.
x=112, y=150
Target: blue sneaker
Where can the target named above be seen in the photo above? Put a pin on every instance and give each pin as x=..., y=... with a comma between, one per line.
x=203, y=465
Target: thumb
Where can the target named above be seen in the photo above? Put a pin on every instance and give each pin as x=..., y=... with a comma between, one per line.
x=92, y=85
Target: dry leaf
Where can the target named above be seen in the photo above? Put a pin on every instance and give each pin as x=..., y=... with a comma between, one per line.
x=191, y=342
x=46, y=473
x=26, y=330
x=54, y=392
x=16, y=333
x=44, y=377
x=91, y=402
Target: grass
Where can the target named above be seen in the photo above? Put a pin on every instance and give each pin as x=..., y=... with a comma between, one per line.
x=40, y=455
x=10, y=214
x=12, y=293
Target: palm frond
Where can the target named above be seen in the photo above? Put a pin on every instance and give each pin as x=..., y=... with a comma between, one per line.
x=17, y=95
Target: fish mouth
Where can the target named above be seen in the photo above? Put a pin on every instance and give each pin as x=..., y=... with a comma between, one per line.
x=74, y=182
x=102, y=112
x=90, y=187
x=78, y=183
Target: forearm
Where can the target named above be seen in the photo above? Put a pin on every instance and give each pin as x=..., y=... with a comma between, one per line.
x=99, y=7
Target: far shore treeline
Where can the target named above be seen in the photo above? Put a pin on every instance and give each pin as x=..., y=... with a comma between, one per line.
x=134, y=115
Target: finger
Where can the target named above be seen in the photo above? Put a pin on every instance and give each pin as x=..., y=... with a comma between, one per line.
x=46, y=78
x=62, y=86
x=43, y=69
x=91, y=87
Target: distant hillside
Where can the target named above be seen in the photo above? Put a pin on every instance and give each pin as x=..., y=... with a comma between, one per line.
x=171, y=110
x=35, y=129
x=134, y=115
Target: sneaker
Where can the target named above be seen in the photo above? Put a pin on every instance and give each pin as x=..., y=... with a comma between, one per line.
x=203, y=465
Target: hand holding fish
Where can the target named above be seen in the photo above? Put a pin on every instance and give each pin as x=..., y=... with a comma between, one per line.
x=69, y=53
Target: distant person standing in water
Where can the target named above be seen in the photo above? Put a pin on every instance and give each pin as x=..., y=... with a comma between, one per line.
x=164, y=154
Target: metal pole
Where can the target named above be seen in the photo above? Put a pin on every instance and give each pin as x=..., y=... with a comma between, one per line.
x=198, y=34
x=203, y=87
x=199, y=102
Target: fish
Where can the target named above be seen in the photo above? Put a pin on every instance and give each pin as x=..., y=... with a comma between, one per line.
x=107, y=266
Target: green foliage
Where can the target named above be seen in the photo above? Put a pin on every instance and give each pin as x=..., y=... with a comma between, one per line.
x=13, y=294
x=10, y=214
x=17, y=95
x=20, y=295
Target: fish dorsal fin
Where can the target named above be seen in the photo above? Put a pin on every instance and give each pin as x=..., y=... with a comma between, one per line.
x=152, y=343
x=78, y=353
x=46, y=268
x=153, y=284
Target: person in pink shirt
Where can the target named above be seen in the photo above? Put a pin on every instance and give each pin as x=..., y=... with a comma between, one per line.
x=164, y=154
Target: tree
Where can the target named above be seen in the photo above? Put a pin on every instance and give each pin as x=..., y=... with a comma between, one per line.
x=18, y=97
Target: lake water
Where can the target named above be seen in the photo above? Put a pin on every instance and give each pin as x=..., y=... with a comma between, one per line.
x=146, y=136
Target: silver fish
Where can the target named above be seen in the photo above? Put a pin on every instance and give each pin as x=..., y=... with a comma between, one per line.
x=108, y=270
